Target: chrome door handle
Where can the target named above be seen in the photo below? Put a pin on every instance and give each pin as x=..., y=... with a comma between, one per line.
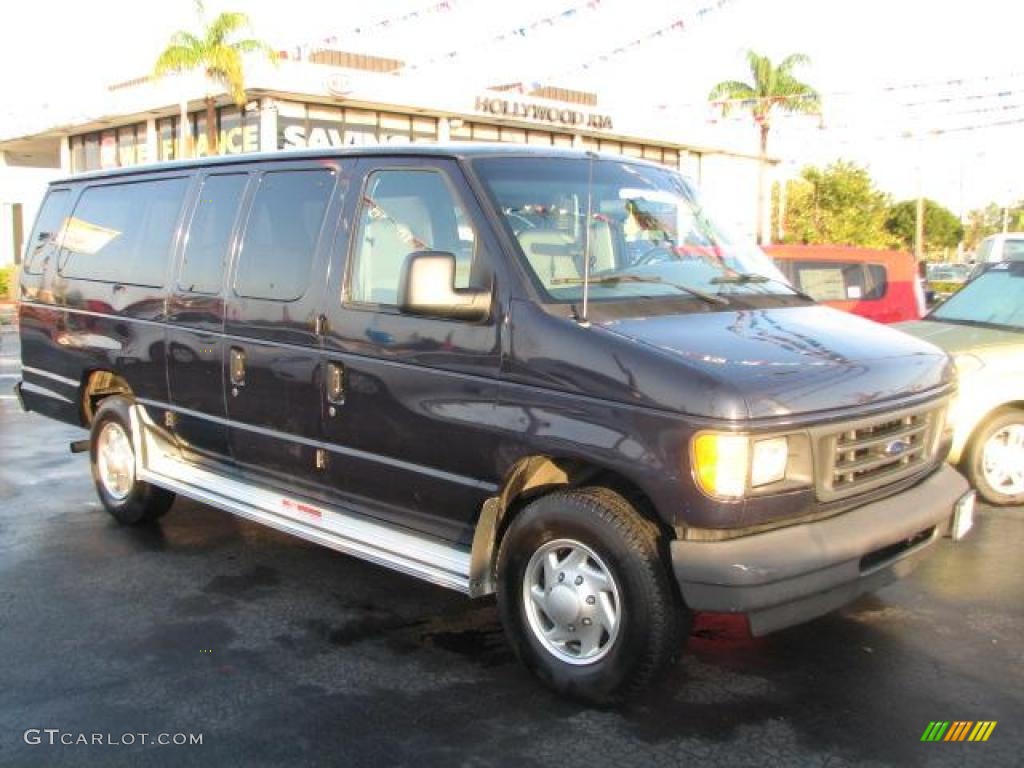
x=335, y=384
x=237, y=367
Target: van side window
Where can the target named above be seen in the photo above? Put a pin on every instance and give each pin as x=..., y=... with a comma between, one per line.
x=209, y=234
x=122, y=233
x=45, y=237
x=282, y=233
x=403, y=212
x=840, y=281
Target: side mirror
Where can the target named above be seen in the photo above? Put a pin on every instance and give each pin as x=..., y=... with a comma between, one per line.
x=427, y=287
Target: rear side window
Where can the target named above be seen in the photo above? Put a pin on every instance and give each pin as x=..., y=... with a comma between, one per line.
x=282, y=233
x=840, y=281
x=209, y=235
x=45, y=237
x=1013, y=250
x=122, y=233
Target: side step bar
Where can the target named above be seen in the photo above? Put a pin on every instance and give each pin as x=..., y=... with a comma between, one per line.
x=160, y=463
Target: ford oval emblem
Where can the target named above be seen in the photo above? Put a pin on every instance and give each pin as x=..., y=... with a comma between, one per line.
x=896, y=447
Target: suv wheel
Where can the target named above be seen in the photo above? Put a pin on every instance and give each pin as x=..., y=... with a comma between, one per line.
x=995, y=459
x=112, y=456
x=585, y=597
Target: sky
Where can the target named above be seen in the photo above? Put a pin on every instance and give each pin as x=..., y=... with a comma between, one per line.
x=891, y=72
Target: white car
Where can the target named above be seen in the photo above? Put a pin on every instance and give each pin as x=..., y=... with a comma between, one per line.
x=1007, y=246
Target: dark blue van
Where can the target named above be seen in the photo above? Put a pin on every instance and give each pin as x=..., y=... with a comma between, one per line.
x=541, y=373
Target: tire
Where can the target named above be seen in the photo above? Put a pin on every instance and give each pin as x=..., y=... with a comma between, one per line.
x=994, y=462
x=588, y=531
x=112, y=459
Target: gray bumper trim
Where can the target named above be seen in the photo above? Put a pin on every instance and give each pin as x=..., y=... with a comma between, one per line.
x=793, y=574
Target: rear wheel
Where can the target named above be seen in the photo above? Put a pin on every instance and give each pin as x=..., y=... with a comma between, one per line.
x=585, y=597
x=995, y=458
x=112, y=456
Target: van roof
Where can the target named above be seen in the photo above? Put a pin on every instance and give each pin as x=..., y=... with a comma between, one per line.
x=456, y=150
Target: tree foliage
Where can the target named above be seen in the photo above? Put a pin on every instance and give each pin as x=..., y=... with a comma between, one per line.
x=214, y=51
x=942, y=228
x=837, y=205
x=772, y=88
x=986, y=221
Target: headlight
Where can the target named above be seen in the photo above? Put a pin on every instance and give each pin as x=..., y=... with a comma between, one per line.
x=967, y=363
x=731, y=466
x=769, y=460
x=720, y=463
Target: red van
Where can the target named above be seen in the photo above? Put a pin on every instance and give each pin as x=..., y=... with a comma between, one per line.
x=876, y=284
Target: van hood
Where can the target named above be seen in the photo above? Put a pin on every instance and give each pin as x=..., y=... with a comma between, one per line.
x=791, y=360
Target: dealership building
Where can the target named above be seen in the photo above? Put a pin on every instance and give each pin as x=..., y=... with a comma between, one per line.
x=331, y=98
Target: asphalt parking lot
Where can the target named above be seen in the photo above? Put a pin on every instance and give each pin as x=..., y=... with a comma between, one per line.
x=280, y=652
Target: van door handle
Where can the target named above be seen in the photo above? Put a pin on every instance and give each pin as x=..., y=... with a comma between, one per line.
x=237, y=367
x=335, y=384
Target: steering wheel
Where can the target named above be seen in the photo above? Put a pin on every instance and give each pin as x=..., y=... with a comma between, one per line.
x=657, y=254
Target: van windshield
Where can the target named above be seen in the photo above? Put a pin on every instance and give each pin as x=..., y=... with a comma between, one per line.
x=644, y=228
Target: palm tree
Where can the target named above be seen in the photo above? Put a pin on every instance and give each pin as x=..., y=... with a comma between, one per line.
x=220, y=57
x=773, y=88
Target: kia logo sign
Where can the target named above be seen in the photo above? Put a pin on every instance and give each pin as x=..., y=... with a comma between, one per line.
x=339, y=85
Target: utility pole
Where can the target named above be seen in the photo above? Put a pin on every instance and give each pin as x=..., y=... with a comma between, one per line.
x=919, y=228
x=919, y=223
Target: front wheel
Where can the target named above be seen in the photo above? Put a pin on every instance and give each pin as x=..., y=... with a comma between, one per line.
x=995, y=459
x=585, y=597
x=112, y=456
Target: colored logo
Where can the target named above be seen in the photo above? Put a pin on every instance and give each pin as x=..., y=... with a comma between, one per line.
x=958, y=730
x=896, y=447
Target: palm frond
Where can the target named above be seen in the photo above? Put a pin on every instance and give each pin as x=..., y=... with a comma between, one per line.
x=731, y=93
x=792, y=61
x=224, y=65
x=222, y=27
x=214, y=51
x=182, y=53
x=732, y=90
x=256, y=46
x=771, y=87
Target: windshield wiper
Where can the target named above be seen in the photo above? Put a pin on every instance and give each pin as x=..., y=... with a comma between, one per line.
x=710, y=298
x=746, y=278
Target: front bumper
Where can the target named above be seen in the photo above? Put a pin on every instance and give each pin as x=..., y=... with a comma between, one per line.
x=789, y=575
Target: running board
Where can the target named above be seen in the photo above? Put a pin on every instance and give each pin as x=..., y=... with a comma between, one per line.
x=159, y=462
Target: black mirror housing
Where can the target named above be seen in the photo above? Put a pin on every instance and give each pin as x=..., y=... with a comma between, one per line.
x=427, y=287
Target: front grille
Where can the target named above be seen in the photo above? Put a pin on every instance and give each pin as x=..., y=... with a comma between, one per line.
x=867, y=454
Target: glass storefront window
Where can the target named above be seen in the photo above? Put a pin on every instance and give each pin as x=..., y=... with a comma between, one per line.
x=322, y=126
x=239, y=131
x=167, y=138
x=485, y=132
x=77, y=154
x=463, y=132
x=126, y=145
x=513, y=135
x=92, y=152
x=424, y=129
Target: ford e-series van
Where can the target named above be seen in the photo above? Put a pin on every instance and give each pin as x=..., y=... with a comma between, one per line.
x=540, y=373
